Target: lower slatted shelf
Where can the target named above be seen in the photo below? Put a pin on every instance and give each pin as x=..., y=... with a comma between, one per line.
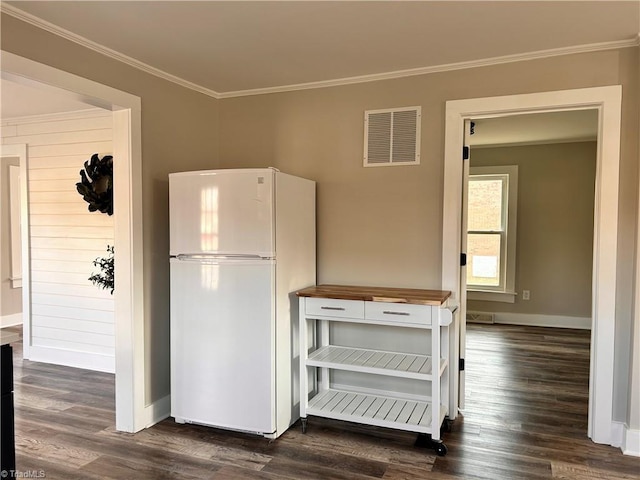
x=409, y=415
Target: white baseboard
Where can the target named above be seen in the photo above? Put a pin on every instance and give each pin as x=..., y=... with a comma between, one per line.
x=157, y=411
x=69, y=358
x=558, y=321
x=631, y=443
x=625, y=439
x=11, y=320
x=617, y=434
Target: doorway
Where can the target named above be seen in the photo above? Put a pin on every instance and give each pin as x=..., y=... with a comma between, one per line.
x=11, y=157
x=132, y=413
x=607, y=101
x=530, y=208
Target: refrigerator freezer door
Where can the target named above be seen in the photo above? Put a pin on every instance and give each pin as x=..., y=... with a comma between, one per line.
x=223, y=343
x=222, y=212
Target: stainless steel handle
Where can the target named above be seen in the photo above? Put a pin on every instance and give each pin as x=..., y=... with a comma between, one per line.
x=332, y=308
x=388, y=312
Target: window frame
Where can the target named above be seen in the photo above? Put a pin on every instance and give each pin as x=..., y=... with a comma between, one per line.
x=505, y=291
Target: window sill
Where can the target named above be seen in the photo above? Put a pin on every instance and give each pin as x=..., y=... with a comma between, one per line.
x=488, y=296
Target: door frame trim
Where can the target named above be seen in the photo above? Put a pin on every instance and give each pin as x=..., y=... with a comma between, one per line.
x=608, y=101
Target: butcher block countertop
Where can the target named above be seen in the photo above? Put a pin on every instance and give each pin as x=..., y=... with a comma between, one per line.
x=414, y=296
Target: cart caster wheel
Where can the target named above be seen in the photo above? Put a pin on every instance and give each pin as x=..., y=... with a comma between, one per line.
x=441, y=449
x=304, y=425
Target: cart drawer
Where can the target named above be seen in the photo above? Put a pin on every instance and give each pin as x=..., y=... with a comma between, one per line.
x=398, y=312
x=331, y=307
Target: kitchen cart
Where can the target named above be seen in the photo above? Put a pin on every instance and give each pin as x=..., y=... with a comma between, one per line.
x=324, y=307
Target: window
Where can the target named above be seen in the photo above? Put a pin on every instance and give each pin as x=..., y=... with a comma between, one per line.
x=491, y=233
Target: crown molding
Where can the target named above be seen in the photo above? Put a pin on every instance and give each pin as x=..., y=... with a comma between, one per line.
x=485, y=62
x=520, y=57
x=85, y=42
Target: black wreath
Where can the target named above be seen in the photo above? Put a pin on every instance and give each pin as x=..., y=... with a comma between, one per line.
x=96, y=185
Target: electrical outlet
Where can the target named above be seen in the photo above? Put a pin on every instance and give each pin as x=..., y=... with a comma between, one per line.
x=526, y=294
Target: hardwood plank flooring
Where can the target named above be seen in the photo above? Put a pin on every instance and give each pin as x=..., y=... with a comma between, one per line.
x=525, y=418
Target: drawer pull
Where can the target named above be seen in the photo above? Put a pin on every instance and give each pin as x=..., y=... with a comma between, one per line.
x=332, y=308
x=388, y=312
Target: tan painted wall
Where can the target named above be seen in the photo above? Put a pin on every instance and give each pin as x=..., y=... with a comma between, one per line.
x=627, y=217
x=179, y=132
x=383, y=226
x=554, y=248
x=634, y=356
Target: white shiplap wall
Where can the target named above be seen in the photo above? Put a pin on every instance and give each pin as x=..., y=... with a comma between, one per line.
x=72, y=321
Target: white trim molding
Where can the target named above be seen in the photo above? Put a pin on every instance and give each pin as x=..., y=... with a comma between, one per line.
x=520, y=57
x=627, y=439
x=536, y=320
x=57, y=356
x=631, y=442
x=11, y=320
x=157, y=411
x=617, y=434
x=607, y=101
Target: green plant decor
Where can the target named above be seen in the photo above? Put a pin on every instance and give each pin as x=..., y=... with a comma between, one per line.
x=105, y=278
x=96, y=183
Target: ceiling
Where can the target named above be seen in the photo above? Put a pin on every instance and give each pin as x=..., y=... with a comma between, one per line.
x=227, y=48
x=550, y=127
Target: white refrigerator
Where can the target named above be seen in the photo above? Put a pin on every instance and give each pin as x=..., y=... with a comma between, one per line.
x=241, y=242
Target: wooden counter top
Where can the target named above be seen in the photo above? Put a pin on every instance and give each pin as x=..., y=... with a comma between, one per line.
x=377, y=294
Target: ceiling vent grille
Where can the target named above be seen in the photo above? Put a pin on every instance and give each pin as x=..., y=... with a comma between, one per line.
x=392, y=137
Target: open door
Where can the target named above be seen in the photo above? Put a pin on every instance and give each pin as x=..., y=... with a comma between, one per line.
x=462, y=315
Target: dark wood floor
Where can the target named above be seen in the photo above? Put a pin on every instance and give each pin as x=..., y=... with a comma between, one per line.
x=525, y=418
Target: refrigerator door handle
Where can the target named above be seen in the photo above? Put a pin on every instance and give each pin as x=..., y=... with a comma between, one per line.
x=200, y=257
x=223, y=260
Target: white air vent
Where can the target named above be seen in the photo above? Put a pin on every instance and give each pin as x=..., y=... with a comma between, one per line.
x=392, y=137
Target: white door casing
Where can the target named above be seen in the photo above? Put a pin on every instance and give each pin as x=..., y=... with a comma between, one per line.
x=607, y=100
